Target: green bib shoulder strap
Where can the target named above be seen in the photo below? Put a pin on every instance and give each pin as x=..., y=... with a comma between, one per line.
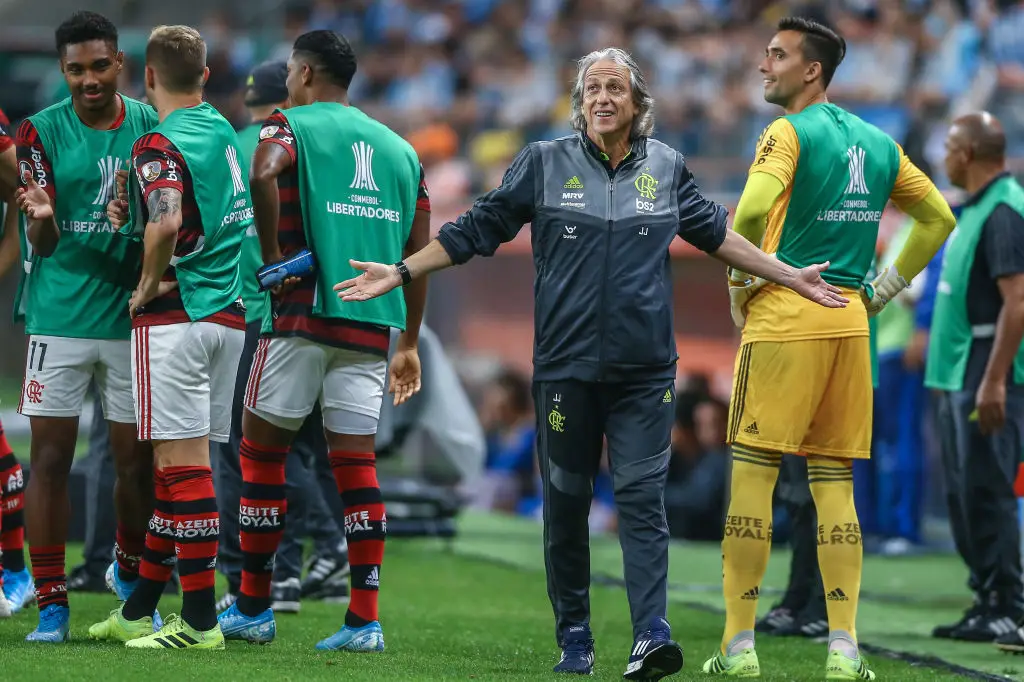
x=951, y=338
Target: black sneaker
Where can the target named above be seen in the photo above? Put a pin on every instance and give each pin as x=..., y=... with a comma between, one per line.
x=813, y=626
x=780, y=617
x=83, y=579
x=1011, y=642
x=985, y=628
x=335, y=592
x=810, y=622
x=225, y=602
x=946, y=631
x=654, y=654
x=577, y=652
x=285, y=596
x=324, y=570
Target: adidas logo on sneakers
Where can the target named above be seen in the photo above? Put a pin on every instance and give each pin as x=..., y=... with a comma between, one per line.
x=373, y=580
x=752, y=429
x=1001, y=626
x=752, y=594
x=837, y=595
x=573, y=183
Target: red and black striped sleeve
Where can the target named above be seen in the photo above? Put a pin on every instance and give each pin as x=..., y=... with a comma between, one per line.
x=423, y=196
x=157, y=164
x=276, y=130
x=6, y=142
x=33, y=161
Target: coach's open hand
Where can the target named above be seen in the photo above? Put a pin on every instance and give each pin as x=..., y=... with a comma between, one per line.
x=34, y=201
x=808, y=283
x=117, y=209
x=377, y=279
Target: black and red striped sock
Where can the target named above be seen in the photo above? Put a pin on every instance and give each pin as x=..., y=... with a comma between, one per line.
x=197, y=531
x=48, y=571
x=261, y=520
x=365, y=528
x=157, y=554
x=12, y=508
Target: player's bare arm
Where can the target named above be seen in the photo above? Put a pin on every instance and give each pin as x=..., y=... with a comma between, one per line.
x=10, y=249
x=164, y=208
x=42, y=231
x=35, y=196
x=268, y=162
x=405, y=374
x=416, y=292
x=8, y=173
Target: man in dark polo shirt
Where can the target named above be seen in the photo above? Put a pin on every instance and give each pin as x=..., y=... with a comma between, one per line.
x=976, y=363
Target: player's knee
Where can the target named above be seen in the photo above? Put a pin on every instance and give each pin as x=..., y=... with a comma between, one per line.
x=50, y=464
x=348, y=442
x=135, y=472
x=256, y=429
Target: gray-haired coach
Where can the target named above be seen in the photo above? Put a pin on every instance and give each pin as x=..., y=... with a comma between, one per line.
x=604, y=206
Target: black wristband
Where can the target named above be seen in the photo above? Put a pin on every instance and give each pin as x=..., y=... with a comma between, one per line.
x=403, y=270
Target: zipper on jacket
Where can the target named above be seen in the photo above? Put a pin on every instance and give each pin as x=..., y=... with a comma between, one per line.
x=602, y=312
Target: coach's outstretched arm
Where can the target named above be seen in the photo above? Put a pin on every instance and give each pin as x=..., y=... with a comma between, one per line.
x=495, y=218
x=742, y=255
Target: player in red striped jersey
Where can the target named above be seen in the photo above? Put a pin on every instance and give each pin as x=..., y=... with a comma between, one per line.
x=368, y=197
x=15, y=580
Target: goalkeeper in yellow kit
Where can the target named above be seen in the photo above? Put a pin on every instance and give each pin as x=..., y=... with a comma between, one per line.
x=816, y=191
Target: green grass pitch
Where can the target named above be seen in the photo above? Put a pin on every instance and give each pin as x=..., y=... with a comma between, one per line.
x=477, y=609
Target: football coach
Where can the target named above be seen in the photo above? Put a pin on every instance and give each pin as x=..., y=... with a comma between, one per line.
x=604, y=206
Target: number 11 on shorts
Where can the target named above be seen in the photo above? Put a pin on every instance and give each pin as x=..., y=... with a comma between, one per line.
x=32, y=355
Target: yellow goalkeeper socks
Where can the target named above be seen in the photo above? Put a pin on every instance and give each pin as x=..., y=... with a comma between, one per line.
x=747, y=542
x=840, y=551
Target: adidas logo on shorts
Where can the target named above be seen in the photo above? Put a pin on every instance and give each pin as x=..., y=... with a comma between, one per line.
x=752, y=429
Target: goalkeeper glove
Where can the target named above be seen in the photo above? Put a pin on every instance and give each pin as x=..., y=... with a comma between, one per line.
x=882, y=289
x=742, y=288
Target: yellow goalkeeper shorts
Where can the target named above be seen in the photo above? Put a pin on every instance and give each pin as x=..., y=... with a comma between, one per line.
x=809, y=397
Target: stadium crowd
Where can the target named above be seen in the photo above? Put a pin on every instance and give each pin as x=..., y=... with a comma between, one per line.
x=446, y=76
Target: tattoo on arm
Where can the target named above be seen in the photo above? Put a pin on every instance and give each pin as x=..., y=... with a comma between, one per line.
x=165, y=201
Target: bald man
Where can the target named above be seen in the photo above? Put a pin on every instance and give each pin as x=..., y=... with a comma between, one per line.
x=976, y=364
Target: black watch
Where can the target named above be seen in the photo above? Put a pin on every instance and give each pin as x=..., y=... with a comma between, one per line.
x=403, y=270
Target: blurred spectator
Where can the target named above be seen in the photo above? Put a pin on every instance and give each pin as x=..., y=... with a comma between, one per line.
x=695, y=493
x=1006, y=43
x=897, y=460
x=506, y=415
